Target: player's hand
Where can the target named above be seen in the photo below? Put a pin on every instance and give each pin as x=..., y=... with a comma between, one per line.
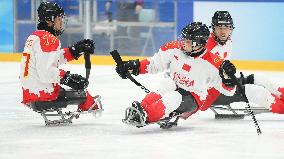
x=74, y=81
x=131, y=66
x=86, y=46
x=227, y=70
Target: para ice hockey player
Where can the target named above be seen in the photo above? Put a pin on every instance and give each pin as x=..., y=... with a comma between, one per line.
x=220, y=44
x=40, y=76
x=193, y=70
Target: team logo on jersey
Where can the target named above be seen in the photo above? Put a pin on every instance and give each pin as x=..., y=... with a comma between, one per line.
x=217, y=60
x=183, y=80
x=49, y=39
x=186, y=67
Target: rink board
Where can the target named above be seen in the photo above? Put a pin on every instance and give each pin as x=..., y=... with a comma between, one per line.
x=107, y=60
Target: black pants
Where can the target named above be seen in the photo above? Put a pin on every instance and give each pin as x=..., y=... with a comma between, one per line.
x=188, y=103
x=227, y=100
x=64, y=98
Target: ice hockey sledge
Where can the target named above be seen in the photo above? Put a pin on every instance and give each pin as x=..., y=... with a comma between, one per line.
x=239, y=112
x=58, y=114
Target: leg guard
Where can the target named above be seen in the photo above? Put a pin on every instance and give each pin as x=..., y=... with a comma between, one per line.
x=278, y=106
x=153, y=106
x=151, y=98
x=88, y=103
x=155, y=111
x=188, y=104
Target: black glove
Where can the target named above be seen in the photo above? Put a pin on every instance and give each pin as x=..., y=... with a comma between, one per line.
x=227, y=70
x=126, y=66
x=85, y=46
x=74, y=81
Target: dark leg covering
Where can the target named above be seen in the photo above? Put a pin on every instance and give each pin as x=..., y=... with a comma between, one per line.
x=227, y=100
x=188, y=103
x=64, y=98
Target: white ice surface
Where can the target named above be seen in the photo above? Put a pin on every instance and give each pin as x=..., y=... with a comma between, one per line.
x=23, y=134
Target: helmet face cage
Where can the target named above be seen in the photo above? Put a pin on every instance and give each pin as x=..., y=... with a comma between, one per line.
x=197, y=32
x=48, y=11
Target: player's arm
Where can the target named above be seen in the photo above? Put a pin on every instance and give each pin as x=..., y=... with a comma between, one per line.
x=85, y=46
x=158, y=63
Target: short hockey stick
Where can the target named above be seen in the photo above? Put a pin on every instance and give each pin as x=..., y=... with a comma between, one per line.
x=116, y=56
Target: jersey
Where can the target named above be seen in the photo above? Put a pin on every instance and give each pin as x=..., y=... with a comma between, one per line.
x=224, y=51
x=39, y=72
x=193, y=74
x=270, y=94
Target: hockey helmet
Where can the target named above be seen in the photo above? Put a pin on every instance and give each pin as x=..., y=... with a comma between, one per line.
x=222, y=18
x=48, y=11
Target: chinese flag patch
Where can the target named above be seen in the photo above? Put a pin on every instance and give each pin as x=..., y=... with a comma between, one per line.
x=186, y=67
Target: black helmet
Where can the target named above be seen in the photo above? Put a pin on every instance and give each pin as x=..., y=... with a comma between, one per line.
x=48, y=11
x=222, y=18
x=197, y=32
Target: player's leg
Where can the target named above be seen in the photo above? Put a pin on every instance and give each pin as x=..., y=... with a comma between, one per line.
x=82, y=98
x=60, y=102
x=263, y=97
x=153, y=108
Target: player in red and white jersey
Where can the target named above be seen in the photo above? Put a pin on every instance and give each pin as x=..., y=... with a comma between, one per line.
x=220, y=43
x=193, y=70
x=40, y=76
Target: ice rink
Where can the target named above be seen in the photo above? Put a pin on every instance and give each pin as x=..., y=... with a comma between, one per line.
x=23, y=134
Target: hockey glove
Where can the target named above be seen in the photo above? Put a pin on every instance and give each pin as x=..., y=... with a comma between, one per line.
x=131, y=66
x=74, y=81
x=226, y=71
x=85, y=46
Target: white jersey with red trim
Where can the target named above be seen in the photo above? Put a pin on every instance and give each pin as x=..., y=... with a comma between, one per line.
x=224, y=51
x=195, y=75
x=270, y=94
x=40, y=75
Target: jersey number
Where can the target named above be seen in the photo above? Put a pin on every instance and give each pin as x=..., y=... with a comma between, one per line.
x=26, y=71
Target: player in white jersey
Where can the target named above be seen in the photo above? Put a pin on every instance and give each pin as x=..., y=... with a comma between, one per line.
x=40, y=76
x=193, y=70
x=220, y=43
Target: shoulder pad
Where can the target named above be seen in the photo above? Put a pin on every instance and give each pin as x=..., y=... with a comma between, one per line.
x=48, y=41
x=170, y=45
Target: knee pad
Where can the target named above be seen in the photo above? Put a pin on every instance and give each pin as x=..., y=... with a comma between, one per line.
x=278, y=106
x=155, y=111
x=151, y=98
